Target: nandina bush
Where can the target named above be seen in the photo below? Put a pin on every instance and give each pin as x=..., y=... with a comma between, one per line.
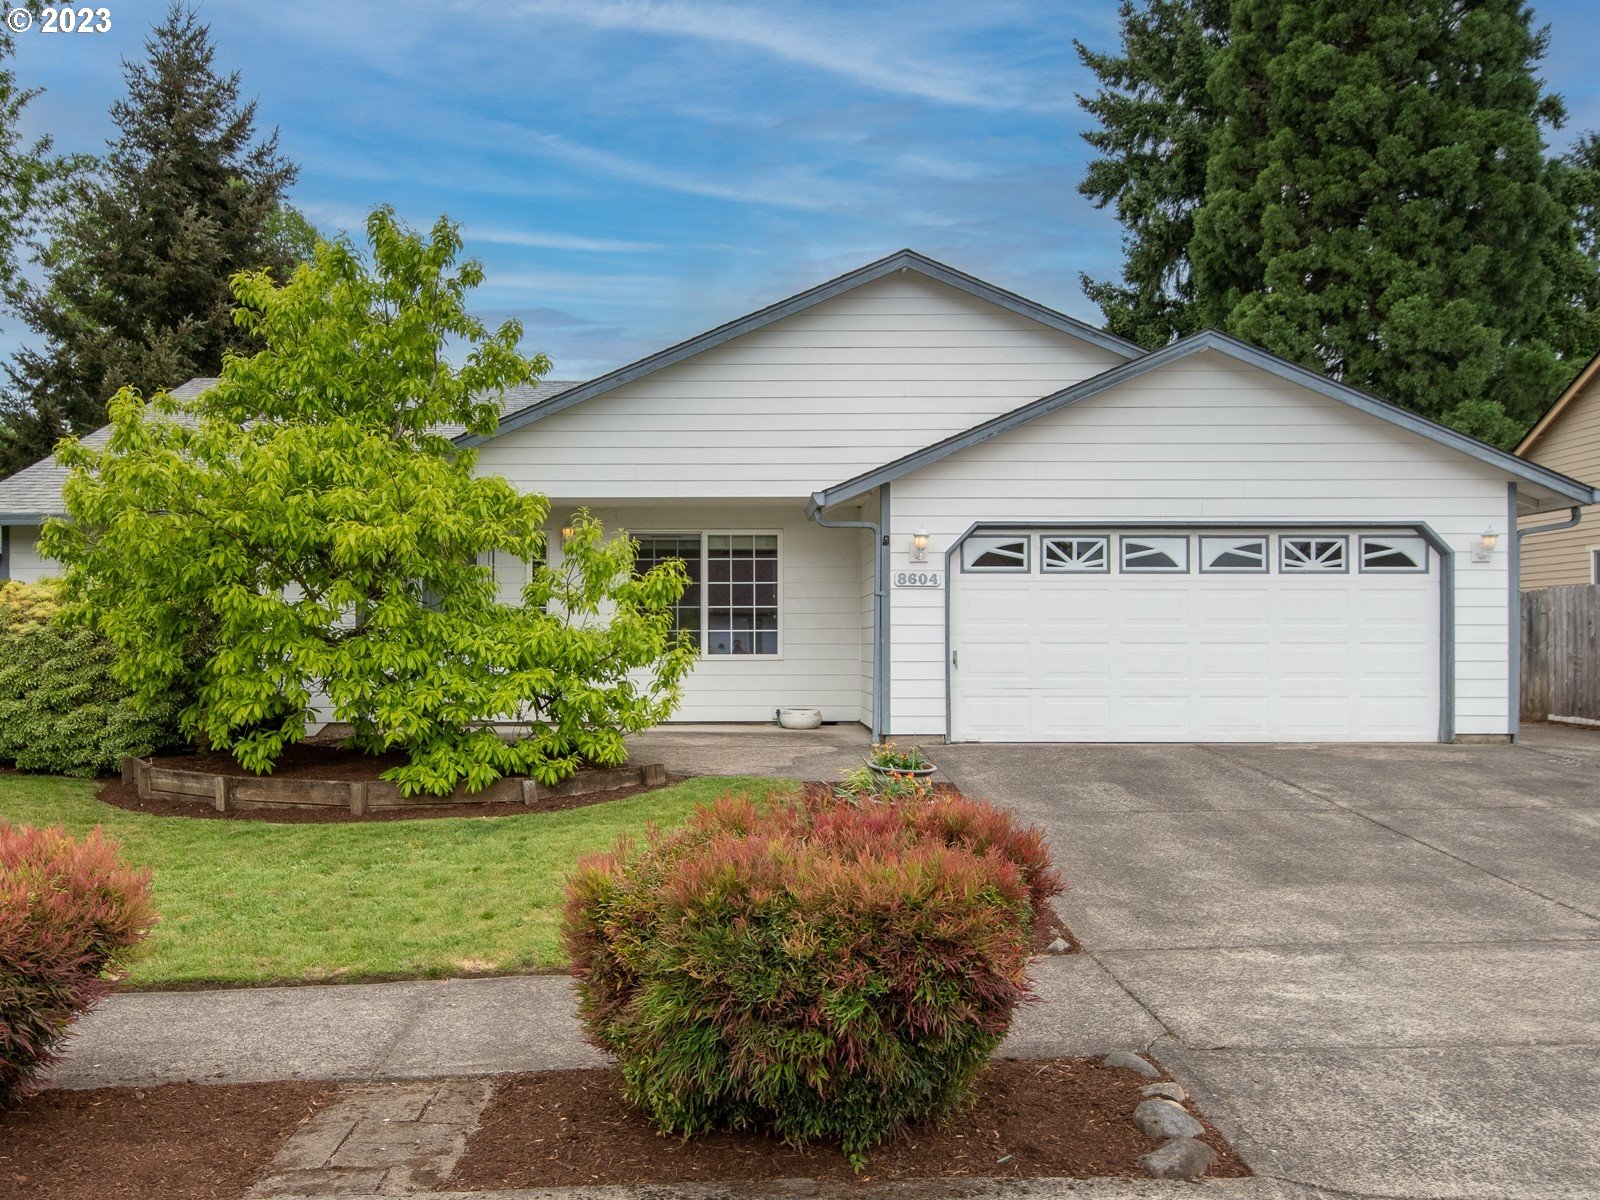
x=823, y=969
x=70, y=912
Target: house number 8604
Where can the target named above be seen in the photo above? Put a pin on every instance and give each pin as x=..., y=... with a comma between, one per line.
x=929, y=579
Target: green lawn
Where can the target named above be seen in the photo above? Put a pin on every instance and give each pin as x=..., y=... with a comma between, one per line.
x=248, y=902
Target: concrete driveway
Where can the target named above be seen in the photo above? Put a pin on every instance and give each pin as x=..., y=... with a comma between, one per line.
x=1377, y=967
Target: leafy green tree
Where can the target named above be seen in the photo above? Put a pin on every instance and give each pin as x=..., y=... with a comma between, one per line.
x=137, y=267
x=305, y=528
x=1154, y=136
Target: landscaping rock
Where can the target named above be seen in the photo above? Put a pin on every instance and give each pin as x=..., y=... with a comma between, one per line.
x=1181, y=1158
x=1166, y=1090
x=1059, y=946
x=1164, y=1119
x=1129, y=1061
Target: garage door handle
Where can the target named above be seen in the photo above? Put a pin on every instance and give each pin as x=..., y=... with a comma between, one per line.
x=955, y=658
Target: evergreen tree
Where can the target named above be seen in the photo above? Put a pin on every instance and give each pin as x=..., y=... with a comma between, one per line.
x=1376, y=201
x=32, y=176
x=136, y=292
x=1156, y=118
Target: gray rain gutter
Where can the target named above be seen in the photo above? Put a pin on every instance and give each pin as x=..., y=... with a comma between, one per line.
x=880, y=601
x=1577, y=515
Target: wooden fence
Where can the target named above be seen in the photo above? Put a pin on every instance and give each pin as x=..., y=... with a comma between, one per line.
x=1561, y=653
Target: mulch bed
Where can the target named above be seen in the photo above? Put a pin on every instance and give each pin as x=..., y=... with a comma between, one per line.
x=180, y=1141
x=1030, y=1119
x=126, y=795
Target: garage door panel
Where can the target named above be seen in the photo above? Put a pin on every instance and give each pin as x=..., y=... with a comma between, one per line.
x=1078, y=661
x=1195, y=656
x=1144, y=605
x=1234, y=660
x=1165, y=661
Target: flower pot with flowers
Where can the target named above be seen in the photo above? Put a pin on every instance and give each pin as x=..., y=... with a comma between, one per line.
x=889, y=759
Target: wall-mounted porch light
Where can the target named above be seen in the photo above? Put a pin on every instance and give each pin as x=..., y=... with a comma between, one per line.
x=1484, y=546
x=566, y=534
x=919, y=546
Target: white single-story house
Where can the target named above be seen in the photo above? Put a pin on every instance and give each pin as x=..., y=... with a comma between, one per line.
x=918, y=501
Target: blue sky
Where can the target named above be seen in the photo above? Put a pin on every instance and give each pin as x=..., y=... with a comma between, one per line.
x=634, y=171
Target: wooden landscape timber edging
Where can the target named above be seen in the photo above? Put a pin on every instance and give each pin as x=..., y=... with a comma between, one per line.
x=1561, y=654
x=230, y=793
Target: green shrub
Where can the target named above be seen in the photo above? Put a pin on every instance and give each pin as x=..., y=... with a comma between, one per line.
x=820, y=970
x=69, y=911
x=60, y=709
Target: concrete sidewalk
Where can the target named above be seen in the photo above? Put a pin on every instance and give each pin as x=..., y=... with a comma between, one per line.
x=424, y=1030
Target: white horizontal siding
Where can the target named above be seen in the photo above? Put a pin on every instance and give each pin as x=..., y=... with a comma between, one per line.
x=807, y=402
x=24, y=562
x=1203, y=439
x=819, y=614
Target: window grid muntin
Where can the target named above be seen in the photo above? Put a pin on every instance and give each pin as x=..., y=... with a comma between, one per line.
x=1163, y=544
x=741, y=595
x=657, y=548
x=1415, y=549
x=1318, y=555
x=975, y=548
x=1233, y=544
x=1084, y=554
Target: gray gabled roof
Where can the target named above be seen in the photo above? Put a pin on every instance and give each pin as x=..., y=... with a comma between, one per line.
x=34, y=493
x=900, y=260
x=1221, y=343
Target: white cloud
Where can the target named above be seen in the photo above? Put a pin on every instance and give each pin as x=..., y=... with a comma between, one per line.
x=872, y=54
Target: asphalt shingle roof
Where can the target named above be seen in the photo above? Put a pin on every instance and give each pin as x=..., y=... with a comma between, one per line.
x=36, y=490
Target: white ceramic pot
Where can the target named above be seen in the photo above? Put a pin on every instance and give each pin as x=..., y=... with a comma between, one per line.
x=799, y=718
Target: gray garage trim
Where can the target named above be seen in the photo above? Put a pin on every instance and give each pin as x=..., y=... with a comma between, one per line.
x=1219, y=343
x=901, y=260
x=1447, y=584
x=1513, y=614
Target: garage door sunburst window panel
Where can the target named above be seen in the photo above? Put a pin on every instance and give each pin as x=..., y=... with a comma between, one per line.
x=1394, y=555
x=1233, y=555
x=1075, y=555
x=1312, y=555
x=1155, y=555
x=995, y=554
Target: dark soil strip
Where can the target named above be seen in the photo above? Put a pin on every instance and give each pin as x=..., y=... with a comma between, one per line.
x=180, y=1141
x=125, y=795
x=1030, y=1118
x=1047, y=927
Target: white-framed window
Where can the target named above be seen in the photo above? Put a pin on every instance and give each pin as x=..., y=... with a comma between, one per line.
x=1594, y=565
x=1233, y=554
x=1313, y=555
x=1008, y=552
x=1083, y=554
x=730, y=606
x=1393, y=555
x=1155, y=555
x=657, y=548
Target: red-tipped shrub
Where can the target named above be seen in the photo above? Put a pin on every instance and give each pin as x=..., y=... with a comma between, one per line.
x=822, y=969
x=69, y=912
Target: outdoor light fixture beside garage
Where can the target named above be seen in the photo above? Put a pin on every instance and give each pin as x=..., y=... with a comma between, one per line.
x=919, y=546
x=1484, y=546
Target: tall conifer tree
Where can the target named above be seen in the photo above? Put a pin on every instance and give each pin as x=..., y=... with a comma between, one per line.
x=1378, y=199
x=136, y=290
x=1154, y=136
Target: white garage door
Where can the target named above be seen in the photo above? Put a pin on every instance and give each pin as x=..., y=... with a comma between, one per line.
x=1195, y=636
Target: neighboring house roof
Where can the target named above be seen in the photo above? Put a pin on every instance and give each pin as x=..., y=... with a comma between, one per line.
x=900, y=260
x=1221, y=343
x=34, y=493
x=1563, y=402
